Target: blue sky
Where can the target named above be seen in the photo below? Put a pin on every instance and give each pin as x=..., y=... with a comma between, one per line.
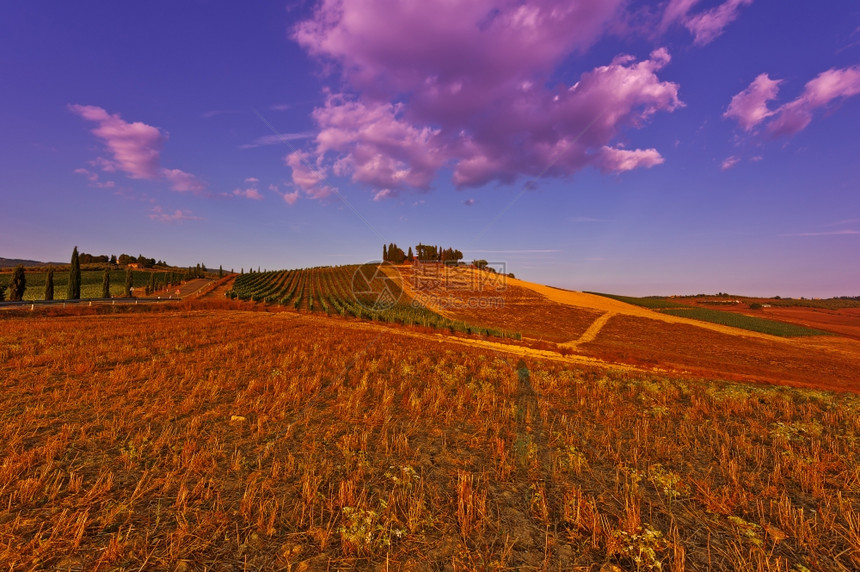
x=633, y=147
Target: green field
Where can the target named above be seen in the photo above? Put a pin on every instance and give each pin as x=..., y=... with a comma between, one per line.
x=824, y=304
x=733, y=319
x=744, y=322
x=91, y=283
x=652, y=302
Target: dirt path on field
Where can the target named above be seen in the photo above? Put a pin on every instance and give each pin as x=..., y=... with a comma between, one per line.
x=512, y=349
x=591, y=333
x=611, y=306
x=584, y=301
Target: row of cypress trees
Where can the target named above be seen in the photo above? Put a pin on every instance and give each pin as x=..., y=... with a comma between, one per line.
x=73, y=292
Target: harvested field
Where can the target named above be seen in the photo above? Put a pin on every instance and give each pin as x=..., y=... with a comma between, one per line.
x=687, y=347
x=224, y=440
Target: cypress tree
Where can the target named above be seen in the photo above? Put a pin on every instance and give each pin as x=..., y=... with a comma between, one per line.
x=49, y=284
x=106, y=284
x=74, y=290
x=2, y=292
x=220, y=272
x=384, y=253
x=129, y=279
x=18, y=284
x=410, y=257
x=151, y=286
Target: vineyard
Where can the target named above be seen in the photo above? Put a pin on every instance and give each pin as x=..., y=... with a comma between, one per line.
x=351, y=291
x=91, y=283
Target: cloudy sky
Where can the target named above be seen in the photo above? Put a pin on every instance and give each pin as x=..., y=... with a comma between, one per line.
x=681, y=146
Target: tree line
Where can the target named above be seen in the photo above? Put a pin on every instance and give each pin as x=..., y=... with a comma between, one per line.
x=121, y=260
x=157, y=280
x=423, y=253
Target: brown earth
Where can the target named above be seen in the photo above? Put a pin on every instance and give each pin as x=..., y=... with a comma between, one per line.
x=223, y=439
x=614, y=331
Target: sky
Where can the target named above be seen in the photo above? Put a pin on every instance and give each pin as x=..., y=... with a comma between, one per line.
x=674, y=147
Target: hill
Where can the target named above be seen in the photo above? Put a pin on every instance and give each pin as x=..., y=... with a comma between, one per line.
x=12, y=262
x=707, y=342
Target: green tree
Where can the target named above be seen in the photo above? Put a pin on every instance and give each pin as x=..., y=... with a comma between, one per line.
x=129, y=280
x=480, y=264
x=18, y=284
x=410, y=257
x=49, y=284
x=396, y=254
x=2, y=292
x=150, y=288
x=74, y=290
x=106, y=284
x=220, y=272
x=384, y=253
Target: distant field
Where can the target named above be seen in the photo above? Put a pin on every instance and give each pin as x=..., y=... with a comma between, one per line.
x=91, y=283
x=828, y=304
x=653, y=302
x=745, y=322
x=726, y=318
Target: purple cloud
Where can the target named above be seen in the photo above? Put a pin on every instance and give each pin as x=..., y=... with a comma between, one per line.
x=135, y=149
x=249, y=193
x=135, y=146
x=467, y=86
x=306, y=178
x=94, y=179
x=749, y=107
x=178, y=215
x=384, y=194
x=730, y=162
x=705, y=26
x=182, y=181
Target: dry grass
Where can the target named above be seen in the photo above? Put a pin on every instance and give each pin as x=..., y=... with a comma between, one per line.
x=223, y=440
x=684, y=347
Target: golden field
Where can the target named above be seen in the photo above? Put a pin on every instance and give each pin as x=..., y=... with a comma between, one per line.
x=224, y=439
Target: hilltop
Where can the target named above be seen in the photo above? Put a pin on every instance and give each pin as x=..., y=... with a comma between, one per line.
x=12, y=262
